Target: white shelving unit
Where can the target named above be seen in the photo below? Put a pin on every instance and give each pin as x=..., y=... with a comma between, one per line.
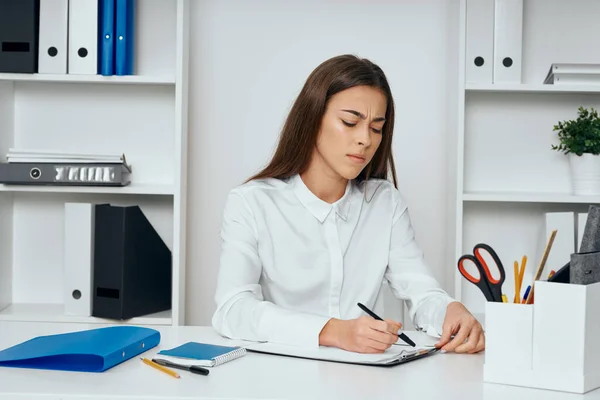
x=530, y=88
x=143, y=116
x=504, y=172
x=130, y=79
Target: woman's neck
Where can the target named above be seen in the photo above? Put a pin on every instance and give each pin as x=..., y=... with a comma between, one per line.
x=324, y=183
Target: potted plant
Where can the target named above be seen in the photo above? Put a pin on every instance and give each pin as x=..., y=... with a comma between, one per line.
x=580, y=141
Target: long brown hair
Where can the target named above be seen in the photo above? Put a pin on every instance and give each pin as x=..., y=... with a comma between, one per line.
x=298, y=137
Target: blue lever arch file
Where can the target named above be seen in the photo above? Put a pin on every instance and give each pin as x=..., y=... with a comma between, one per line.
x=94, y=350
x=106, y=37
x=124, y=37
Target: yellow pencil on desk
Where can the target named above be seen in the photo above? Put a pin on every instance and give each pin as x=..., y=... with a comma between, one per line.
x=160, y=367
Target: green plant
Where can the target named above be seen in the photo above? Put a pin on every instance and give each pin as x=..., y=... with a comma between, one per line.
x=581, y=135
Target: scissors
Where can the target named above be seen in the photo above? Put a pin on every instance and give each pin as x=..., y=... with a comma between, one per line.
x=491, y=288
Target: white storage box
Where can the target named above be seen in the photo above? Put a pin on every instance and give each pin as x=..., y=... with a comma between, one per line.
x=552, y=344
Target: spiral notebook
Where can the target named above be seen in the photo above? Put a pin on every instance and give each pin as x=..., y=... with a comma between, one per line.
x=202, y=354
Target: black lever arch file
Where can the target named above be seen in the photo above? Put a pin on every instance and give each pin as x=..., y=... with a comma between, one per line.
x=19, y=37
x=132, y=264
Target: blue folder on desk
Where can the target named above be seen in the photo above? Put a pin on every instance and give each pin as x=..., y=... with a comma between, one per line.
x=94, y=350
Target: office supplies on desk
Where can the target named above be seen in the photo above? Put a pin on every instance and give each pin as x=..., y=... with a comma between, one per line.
x=489, y=286
x=390, y=357
x=94, y=350
x=202, y=354
x=372, y=314
x=159, y=367
x=194, y=369
x=540, y=269
x=550, y=344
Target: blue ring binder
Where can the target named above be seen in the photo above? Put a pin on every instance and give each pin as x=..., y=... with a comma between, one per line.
x=94, y=350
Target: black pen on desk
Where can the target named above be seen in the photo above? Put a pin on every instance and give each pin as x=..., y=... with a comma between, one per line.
x=195, y=369
x=372, y=314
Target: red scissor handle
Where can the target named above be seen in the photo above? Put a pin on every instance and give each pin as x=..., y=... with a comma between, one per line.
x=492, y=253
x=463, y=271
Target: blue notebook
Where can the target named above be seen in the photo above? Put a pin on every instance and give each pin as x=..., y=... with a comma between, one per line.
x=203, y=354
x=94, y=350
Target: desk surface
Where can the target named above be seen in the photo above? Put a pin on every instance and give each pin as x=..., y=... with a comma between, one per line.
x=256, y=376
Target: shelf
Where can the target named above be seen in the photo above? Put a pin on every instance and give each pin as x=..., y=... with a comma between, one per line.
x=148, y=189
x=531, y=88
x=129, y=79
x=524, y=197
x=54, y=313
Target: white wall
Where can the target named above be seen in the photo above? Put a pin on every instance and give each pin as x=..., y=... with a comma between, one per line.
x=249, y=61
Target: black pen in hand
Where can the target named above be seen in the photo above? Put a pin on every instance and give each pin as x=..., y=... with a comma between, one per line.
x=195, y=369
x=372, y=314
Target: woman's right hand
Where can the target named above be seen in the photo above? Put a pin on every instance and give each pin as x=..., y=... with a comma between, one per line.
x=361, y=335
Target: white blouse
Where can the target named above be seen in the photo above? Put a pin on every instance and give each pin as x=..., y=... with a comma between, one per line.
x=291, y=261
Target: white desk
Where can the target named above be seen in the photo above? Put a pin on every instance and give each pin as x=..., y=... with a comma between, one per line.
x=256, y=376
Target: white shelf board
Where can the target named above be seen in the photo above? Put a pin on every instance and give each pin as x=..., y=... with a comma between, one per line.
x=531, y=88
x=55, y=313
x=148, y=189
x=68, y=78
x=524, y=197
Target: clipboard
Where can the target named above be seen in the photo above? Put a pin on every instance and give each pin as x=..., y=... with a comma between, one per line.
x=391, y=357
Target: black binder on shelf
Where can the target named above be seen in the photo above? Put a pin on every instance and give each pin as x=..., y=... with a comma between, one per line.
x=65, y=174
x=19, y=35
x=132, y=265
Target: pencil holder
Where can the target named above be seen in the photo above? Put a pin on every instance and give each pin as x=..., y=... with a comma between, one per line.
x=551, y=344
x=507, y=328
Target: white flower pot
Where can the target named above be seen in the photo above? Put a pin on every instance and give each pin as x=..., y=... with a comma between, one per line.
x=585, y=174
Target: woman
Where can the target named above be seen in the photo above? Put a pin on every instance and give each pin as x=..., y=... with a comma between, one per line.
x=321, y=227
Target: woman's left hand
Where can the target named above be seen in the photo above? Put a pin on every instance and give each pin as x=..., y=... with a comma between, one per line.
x=468, y=332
